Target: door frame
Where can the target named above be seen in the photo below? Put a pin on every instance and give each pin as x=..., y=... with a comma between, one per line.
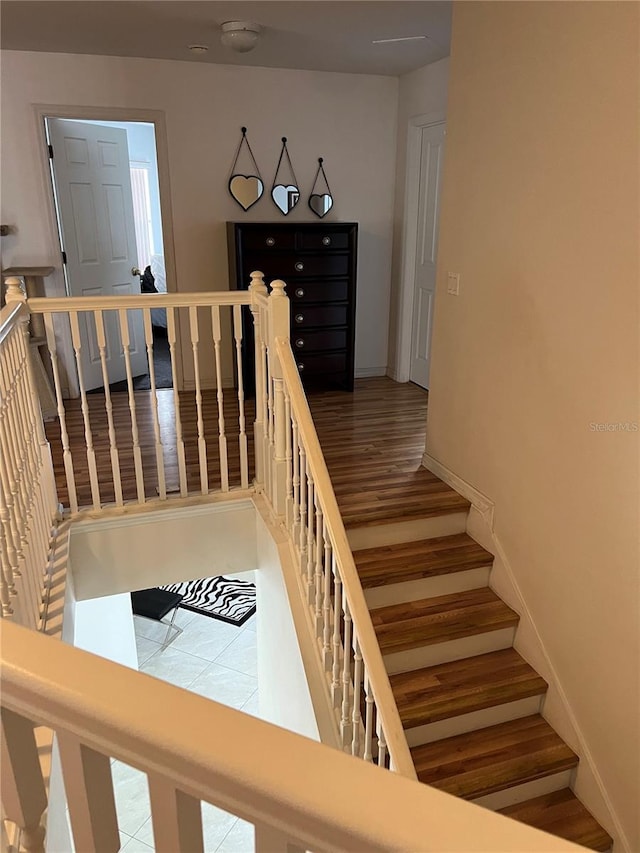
x=415, y=127
x=84, y=113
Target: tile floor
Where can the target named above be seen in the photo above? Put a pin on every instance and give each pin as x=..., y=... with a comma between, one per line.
x=218, y=661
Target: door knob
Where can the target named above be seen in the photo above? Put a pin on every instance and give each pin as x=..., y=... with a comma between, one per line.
x=135, y=271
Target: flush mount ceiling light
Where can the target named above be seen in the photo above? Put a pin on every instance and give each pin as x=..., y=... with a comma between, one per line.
x=403, y=38
x=241, y=36
x=198, y=48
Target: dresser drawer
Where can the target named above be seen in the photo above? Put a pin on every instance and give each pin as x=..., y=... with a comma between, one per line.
x=309, y=365
x=319, y=315
x=318, y=265
x=267, y=240
x=327, y=241
x=322, y=339
x=318, y=291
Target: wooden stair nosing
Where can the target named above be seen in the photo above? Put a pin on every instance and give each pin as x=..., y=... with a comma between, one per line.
x=561, y=813
x=382, y=514
x=481, y=762
x=436, y=620
x=419, y=559
x=462, y=686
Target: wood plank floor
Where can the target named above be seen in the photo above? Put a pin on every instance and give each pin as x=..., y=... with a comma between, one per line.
x=373, y=440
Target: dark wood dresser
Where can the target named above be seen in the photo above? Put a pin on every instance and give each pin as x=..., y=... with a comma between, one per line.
x=317, y=261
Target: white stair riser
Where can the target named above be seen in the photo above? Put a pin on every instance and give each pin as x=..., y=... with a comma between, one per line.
x=475, y=720
x=407, y=531
x=399, y=593
x=464, y=647
x=526, y=791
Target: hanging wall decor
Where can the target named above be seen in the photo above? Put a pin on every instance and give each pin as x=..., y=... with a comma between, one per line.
x=285, y=195
x=245, y=189
x=320, y=203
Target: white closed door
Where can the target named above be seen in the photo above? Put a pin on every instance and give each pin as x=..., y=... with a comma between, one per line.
x=95, y=211
x=430, y=177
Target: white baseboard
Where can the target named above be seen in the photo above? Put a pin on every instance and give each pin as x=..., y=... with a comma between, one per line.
x=367, y=372
x=557, y=709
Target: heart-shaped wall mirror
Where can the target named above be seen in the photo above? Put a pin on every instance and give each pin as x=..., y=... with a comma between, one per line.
x=285, y=198
x=285, y=195
x=320, y=202
x=246, y=189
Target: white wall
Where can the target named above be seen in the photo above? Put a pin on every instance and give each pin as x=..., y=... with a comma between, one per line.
x=166, y=546
x=104, y=626
x=421, y=92
x=283, y=686
x=348, y=119
x=540, y=218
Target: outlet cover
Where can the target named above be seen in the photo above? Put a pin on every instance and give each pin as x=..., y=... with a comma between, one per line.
x=453, y=283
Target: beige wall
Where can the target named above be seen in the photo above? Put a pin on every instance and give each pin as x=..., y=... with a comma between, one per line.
x=540, y=218
x=421, y=92
x=349, y=119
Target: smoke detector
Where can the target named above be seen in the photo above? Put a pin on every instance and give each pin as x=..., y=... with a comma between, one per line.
x=241, y=36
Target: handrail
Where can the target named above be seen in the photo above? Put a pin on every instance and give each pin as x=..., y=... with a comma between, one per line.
x=307, y=792
x=9, y=316
x=45, y=305
x=370, y=648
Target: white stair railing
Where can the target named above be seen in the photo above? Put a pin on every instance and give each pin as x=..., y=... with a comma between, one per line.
x=28, y=502
x=298, y=794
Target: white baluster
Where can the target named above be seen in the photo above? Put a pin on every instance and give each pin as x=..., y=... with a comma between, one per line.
x=345, y=719
x=113, y=444
x=176, y=818
x=182, y=465
x=242, y=439
x=222, y=439
x=9, y=436
x=258, y=290
x=319, y=553
x=336, y=691
x=202, y=444
x=88, y=436
x=288, y=452
x=269, y=438
x=278, y=328
x=137, y=452
x=7, y=585
x=24, y=797
x=382, y=743
x=64, y=435
x=368, y=720
x=302, y=542
x=356, y=715
x=148, y=337
x=295, y=482
x=311, y=566
x=326, y=601
x=269, y=840
x=89, y=788
x=11, y=568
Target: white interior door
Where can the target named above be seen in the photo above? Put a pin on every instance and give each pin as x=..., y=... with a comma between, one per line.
x=95, y=208
x=430, y=175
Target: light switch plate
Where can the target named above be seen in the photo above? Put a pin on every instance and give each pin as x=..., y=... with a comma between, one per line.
x=453, y=283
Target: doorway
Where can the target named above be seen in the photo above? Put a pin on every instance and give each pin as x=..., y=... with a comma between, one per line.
x=425, y=154
x=109, y=218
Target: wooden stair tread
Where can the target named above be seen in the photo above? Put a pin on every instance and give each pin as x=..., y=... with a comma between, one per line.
x=561, y=813
x=421, y=559
x=441, y=618
x=401, y=509
x=477, y=763
x=462, y=686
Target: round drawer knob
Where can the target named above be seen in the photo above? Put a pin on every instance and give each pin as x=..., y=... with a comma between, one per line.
x=270, y=241
x=299, y=291
x=299, y=318
x=299, y=266
x=300, y=343
x=300, y=366
x=326, y=241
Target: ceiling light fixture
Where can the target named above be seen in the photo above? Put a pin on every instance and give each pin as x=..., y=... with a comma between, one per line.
x=241, y=36
x=198, y=48
x=403, y=38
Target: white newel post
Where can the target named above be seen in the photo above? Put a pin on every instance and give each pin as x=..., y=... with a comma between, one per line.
x=278, y=328
x=14, y=293
x=257, y=288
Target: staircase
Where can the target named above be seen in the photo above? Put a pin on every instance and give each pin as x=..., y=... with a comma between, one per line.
x=470, y=705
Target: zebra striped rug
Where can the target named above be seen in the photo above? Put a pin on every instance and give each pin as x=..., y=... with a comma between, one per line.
x=227, y=599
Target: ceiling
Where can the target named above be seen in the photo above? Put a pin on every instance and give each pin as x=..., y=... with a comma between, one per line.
x=318, y=35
